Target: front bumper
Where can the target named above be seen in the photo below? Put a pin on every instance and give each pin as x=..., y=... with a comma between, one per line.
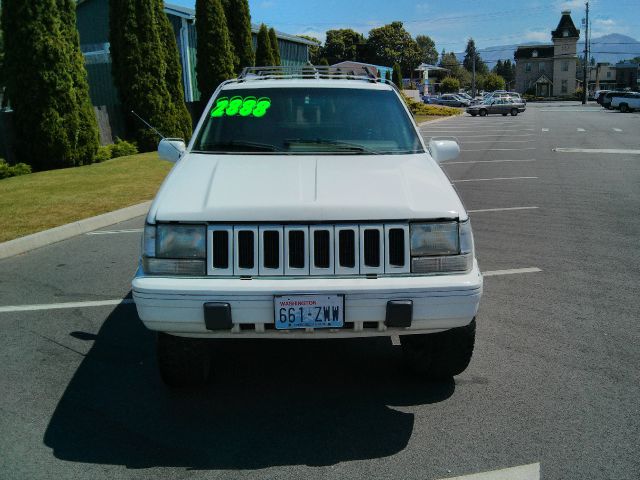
x=176, y=305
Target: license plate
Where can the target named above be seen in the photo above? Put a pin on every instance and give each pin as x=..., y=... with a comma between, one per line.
x=309, y=311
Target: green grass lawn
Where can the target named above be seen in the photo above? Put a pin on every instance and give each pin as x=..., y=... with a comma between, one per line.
x=31, y=203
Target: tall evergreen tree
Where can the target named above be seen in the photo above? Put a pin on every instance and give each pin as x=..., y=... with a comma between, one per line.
x=239, y=24
x=397, y=75
x=140, y=70
x=275, y=47
x=471, y=56
x=215, y=57
x=264, y=53
x=46, y=84
x=173, y=78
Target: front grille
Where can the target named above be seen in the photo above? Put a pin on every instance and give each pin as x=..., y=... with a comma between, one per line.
x=302, y=250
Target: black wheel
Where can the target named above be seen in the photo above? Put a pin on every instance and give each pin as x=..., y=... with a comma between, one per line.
x=504, y=114
x=483, y=113
x=514, y=112
x=624, y=108
x=183, y=362
x=441, y=355
x=474, y=114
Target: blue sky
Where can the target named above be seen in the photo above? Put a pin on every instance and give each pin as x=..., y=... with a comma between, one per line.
x=449, y=23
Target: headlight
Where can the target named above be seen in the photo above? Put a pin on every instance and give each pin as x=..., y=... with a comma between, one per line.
x=434, y=239
x=174, y=249
x=441, y=247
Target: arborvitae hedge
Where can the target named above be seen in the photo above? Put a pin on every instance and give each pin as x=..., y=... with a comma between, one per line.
x=215, y=57
x=397, y=75
x=239, y=25
x=46, y=83
x=275, y=48
x=140, y=65
x=173, y=77
x=264, y=53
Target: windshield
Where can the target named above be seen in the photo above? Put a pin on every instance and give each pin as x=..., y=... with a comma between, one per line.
x=308, y=121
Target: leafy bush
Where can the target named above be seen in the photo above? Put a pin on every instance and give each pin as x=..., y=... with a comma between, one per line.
x=450, y=85
x=419, y=108
x=122, y=148
x=7, y=170
x=103, y=154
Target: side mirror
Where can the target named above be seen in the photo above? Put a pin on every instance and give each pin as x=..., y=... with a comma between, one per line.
x=171, y=149
x=444, y=150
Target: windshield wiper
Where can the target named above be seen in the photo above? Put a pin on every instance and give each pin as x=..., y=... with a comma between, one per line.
x=241, y=145
x=321, y=141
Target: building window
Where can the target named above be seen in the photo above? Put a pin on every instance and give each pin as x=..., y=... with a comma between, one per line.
x=527, y=67
x=565, y=33
x=534, y=54
x=565, y=66
x=564, y=87
x=608, y=74
x=541, y=67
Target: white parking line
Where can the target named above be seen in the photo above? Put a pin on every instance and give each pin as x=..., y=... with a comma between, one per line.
x=492, y=179
x=617, y=129
x=504, y=209
x=498, y=135
x=499, y=149
x=114, y=232
x=523, y=472
x=65, y=305
x=513, y=271
x=499, y=141
x=580, y=130
x=489, y=161
x=545, y=129
x=596, y=150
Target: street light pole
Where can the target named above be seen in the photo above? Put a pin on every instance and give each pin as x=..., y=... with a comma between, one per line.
x=473, y=86
x=585, y=85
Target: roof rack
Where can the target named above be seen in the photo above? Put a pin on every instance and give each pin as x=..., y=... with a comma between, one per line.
x=311, y=72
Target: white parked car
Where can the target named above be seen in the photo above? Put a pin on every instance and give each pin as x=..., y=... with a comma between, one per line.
x=626, y=102
x=307, y=206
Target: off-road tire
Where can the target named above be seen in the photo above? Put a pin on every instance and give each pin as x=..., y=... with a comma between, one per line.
x=514, y=112
x=483, y=113
x=440, y=356
x=624, y=108
x=182, y=362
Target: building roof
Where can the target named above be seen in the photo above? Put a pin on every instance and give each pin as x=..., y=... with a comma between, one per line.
x=190, y=13
x=526, y=51
x=566, y=23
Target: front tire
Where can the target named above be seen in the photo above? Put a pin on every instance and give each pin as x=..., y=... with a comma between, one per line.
x=483, y=113
x=624, y=108
x=514, y=112
x=440, y=356
x=182, y=362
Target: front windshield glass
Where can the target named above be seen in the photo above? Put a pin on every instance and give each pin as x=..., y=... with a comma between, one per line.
x=308, y=121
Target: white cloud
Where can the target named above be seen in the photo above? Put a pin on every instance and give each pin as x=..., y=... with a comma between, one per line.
x=267, y=4
x=537, y=36
x=573, y=5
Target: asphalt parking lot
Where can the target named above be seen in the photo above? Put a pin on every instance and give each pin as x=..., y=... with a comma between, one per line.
x=554, y=385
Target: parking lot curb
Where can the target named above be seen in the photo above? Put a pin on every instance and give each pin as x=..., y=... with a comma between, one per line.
x=422, y=124
x=63, y=232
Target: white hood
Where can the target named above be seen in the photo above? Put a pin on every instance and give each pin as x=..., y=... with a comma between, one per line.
x=287, y=188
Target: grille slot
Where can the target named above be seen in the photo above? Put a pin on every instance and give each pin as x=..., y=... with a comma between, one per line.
x=220, y=249
x=396, y=247
x=297, y=249
x=321, y=249
x=347, y=249
x=372, y=248
x=271, y=241
x=245, y=249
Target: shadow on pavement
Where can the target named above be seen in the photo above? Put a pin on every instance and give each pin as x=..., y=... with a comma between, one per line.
x=270, y=403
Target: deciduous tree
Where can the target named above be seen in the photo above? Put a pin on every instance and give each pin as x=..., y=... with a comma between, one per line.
x=392, y=43
x=450, y=85
x=493, y=82
x=342, y=45
x=427, y=47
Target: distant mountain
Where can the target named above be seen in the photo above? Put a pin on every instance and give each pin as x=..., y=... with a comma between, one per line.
x=609, y=48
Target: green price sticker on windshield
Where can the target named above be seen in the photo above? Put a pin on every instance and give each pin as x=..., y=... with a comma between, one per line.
x=242, y=107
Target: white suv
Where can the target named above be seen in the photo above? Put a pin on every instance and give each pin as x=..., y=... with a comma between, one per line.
x=307, y=206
